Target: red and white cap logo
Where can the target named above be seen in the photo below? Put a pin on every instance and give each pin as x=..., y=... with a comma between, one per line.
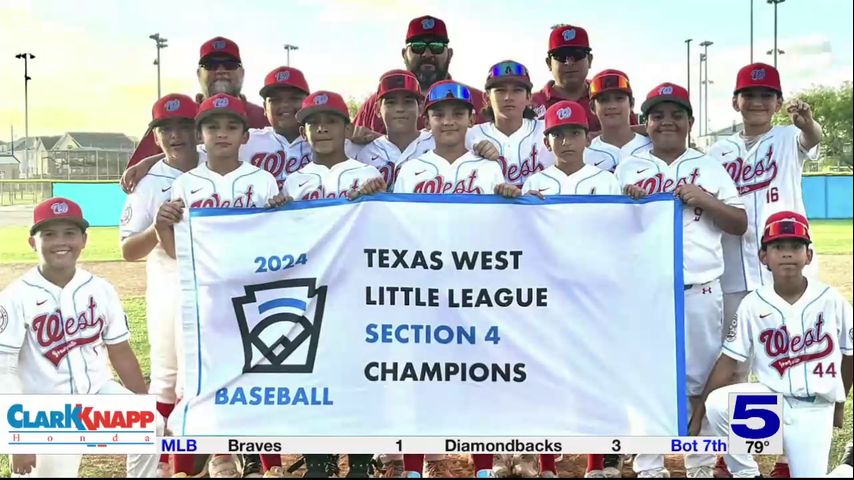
x=283, y=76
x=564, y=113
x=569, y=34
x=321, y=100
x=428, y=24
x=59, y=208
x=668, y=90
x=758, y=74
x=221, y=102
x=173, y=105
x=218, y=44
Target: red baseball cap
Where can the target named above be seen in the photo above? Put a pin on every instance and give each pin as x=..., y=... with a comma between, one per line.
x=57, y=208
x=222, y=103
x=172, y=106
x=398, y=81
x=284, y=77
x=568, y=36
x=508, y=71
x=323, y=101
x=608, y=81
x=758, y=75
x=667, y=92
x=565, y=112
x=219, y=46
x=448, y=90
x=427, y=26
x=786, y=224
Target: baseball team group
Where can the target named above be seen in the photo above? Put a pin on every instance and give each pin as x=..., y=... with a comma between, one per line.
x=752, y=298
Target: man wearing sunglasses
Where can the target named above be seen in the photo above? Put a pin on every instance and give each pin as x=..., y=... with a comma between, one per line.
x=220, y=71
x=569, y=59
x=427, y=55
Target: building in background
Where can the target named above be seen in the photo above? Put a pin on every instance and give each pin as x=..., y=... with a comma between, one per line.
x=73, y=156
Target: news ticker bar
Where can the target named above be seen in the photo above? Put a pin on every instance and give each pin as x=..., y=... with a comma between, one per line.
x=111, y=443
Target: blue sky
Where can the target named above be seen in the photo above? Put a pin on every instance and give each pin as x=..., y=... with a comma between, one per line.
x=94, y=59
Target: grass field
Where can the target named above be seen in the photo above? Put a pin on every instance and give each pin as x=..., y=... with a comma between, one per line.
x=833, y=241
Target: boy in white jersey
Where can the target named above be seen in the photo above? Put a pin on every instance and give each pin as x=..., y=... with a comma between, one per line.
x=796, y=334
x=222, y=181
x=142, y=223
x=61, y=329
x=612, y=101
x=279, y=148
x=765, y=162
x=325, y=123
x=566, y=137
x=451, y=168
x=513, y=128
x=711, y=206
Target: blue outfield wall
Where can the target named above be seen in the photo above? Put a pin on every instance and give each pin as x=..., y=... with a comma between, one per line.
x=828, y=196
x=102, y=203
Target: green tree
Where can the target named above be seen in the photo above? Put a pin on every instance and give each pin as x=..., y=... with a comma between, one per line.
x=832, y=109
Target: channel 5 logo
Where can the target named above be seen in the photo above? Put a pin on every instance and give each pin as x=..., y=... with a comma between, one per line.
x=755, y=416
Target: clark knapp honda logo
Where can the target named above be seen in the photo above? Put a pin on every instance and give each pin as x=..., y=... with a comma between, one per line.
x=280, y=325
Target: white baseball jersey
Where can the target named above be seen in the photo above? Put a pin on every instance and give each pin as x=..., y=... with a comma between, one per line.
x=431, y=173
x=315, y=181
x=606, y=156
x=586, y=181
x=701, y=237
x=140, y=212
x=272, y=152
x=386, y=157
x=795, y=349
x=61, y=333
x=246, y=186
x=768, y=178
x=522, y=154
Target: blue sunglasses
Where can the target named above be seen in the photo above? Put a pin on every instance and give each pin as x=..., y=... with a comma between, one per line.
x=449, y=91
x=508, y=68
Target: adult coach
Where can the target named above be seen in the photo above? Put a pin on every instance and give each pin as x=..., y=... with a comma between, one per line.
x=220, y=71
x=569, y=59
x=428, y=56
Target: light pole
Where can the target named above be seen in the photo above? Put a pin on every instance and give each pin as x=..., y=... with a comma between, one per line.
x=160, y=42
x=706, y=44
x=775, y=3
x=688, y=66
x=700, y=94
x=751, y=30
x=288, y=48
x=26, y=56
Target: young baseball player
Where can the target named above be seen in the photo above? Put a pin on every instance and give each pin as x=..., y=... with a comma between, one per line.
x=451, y=168
x=711, y=206
x=173, y=126
x=513, y=126
x=279, y=148
x=566, y=137
x=796, y=334
x=222, y=181
x=399, y=101
x=765, y=162
x=61, y=331
x=612, y=102
x=325, y=124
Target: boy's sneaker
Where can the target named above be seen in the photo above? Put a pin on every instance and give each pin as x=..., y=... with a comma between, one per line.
x=485, y=473
x=613, y=466
x=251, y=467
x=594, y=474
x=704, y=471
x=222, y=466
x=655, y=473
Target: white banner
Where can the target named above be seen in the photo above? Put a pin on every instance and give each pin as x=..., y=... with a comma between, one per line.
x=442, y=315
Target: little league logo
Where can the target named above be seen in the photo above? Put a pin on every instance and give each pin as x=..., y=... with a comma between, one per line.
x=4, y=319
x=283, y=76
x=220, y=102
x=758, y=74
x=280, y=324
x=564, y=113
x=59, y=208
x=173, y=105
x=428, y=24
x=321, y=100
x=218, y=44
x=569, y=35
x=668, y=90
